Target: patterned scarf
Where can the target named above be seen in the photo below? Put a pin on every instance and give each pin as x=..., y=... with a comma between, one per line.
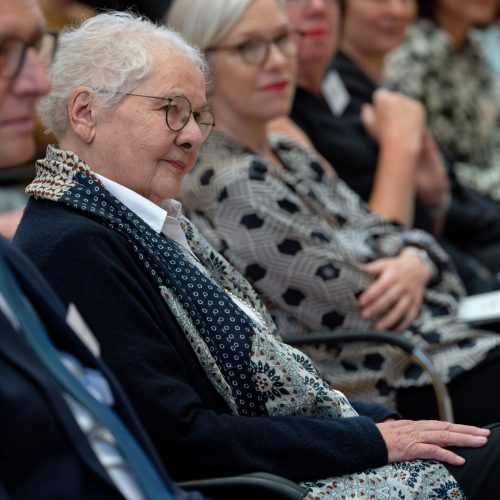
x=254, y=372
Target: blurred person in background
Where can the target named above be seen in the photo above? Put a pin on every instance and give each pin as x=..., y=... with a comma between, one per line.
x=320, y=258
x=441, y=64
x=377, y=140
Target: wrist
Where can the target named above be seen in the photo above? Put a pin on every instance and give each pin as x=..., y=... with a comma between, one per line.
x=425, y=259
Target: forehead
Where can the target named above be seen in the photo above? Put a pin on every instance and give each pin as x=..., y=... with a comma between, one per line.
x=261, y=17
x=176, y=74
x=19, y=18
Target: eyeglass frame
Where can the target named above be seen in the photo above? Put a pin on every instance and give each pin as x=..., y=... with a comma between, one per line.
x=268, y=41
x=196, y=114
x=28, y=45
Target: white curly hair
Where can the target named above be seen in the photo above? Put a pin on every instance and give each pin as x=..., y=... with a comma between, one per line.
x=112, y=51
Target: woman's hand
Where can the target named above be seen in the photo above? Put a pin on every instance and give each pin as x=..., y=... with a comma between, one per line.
x=431, y=179
x=395, y=118
x=393, y=301
x=427, y=439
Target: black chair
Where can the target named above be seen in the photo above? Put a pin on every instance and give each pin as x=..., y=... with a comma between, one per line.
x=259, y=485
x=416, y=355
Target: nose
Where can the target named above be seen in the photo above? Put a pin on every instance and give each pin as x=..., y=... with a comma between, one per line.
x=276, y=57
x=32, y=79
x=399, y=8
x=189, y=138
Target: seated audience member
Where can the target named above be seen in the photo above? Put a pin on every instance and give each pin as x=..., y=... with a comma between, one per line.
x=184, y=332
x=490, y=38
x=58, y=426
x=319, y=257
x=374, y=138
x=442, y=65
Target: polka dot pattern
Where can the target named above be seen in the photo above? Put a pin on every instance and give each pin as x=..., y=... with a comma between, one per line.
x=223, y=326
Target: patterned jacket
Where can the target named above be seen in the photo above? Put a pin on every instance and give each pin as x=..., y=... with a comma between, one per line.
x=300, y=237
x=457, y=89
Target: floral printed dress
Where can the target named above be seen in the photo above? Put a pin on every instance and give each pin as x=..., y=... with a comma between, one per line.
x=457, y=89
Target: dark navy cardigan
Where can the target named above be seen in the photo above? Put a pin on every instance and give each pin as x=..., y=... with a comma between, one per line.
x=188, y=421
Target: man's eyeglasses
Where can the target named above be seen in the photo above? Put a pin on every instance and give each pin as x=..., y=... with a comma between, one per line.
x=256, y=50
x=178, y=111
x=13, y=52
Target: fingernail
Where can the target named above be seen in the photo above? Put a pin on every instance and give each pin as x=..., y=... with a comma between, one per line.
x=481, y=439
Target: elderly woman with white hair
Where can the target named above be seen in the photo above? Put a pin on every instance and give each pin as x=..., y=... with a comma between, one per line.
x=184, y=332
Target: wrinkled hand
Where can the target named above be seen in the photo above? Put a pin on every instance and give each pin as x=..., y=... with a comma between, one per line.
x=396, y=118
x=431, y=179
x=426, y=439
x=393, y=301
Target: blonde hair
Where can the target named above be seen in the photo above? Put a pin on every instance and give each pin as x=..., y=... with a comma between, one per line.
x=205, y=23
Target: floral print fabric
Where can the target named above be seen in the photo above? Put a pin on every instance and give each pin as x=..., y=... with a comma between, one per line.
x=457, y=90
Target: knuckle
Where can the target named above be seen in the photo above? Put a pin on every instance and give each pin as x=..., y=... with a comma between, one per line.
x=444, y=436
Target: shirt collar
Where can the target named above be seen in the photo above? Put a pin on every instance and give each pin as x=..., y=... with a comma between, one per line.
x=154, y=215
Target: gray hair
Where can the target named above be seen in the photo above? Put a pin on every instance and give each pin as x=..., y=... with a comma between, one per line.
x=205, y=23
x=113, y=51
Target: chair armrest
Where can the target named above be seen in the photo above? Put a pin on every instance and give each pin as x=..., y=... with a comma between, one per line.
x=417, y=356
x=261, y=485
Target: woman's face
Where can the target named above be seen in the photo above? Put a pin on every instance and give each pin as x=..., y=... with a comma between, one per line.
x=133, y=143
x=317, y=23
x=245, y=92
x=469, y=11
x=374, y=27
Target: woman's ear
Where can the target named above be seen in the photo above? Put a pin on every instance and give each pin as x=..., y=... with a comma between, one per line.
x=82, y=114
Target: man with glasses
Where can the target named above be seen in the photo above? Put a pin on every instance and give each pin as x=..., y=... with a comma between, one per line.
x=59, y=434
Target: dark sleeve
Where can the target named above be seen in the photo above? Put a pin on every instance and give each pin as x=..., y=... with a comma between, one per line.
x=3, y=493
x=376, y=412
x=192, y=428
x=472, y=219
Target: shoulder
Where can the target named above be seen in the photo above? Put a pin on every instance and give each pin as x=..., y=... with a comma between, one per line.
x=425, y=42
x=50, y=230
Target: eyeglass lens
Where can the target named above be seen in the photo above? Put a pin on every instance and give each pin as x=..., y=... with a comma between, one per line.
x=179, y=111
x=257, y=51
x=13, y=53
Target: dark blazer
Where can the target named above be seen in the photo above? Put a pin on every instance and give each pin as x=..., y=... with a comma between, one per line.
x=43, y=453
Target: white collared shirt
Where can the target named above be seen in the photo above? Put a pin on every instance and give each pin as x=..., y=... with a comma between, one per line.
x=164, y=219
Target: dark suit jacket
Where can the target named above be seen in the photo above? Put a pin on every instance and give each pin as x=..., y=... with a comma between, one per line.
x=43, y=453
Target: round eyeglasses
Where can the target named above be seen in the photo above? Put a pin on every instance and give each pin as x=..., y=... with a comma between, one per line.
x=256, y=50
x=178, y=111
x=13, y=52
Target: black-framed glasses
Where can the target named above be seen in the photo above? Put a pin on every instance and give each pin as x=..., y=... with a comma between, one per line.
x=256, y=50
x=178, y=111
x=13, y=52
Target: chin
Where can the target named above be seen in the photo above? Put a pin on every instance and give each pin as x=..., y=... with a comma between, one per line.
x=16, y=152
